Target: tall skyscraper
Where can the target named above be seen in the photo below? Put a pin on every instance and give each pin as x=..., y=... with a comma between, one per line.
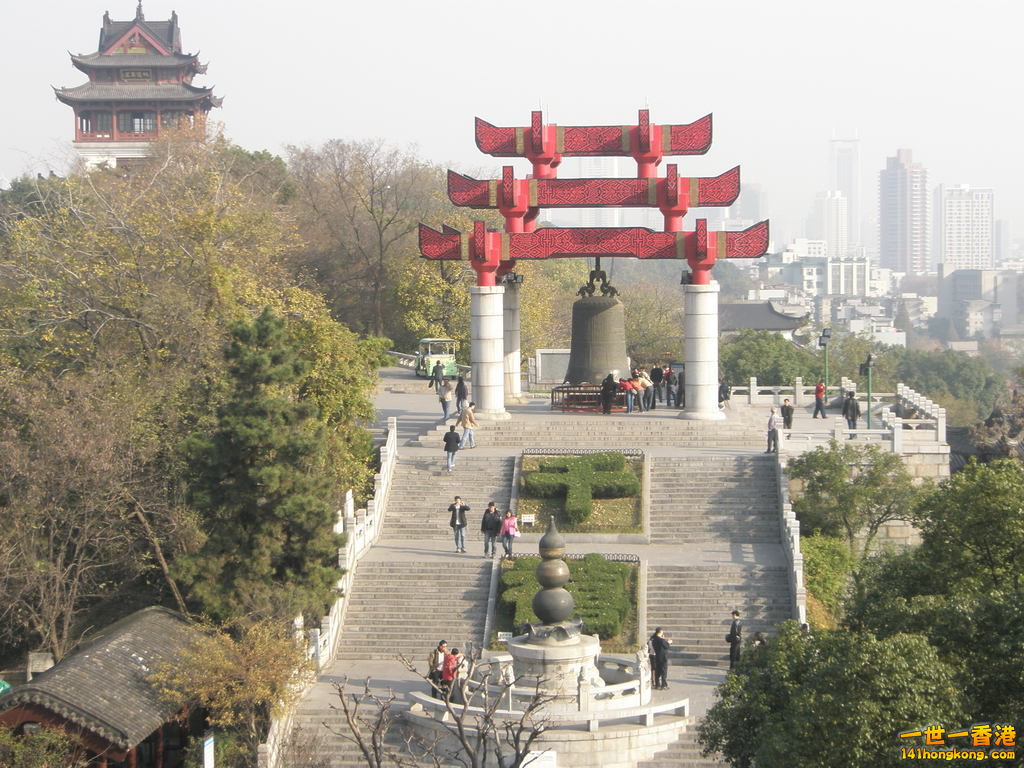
x=1001, y=241
x=903, y=215
x=964, y=227
x=829, y=222
x=844, y=176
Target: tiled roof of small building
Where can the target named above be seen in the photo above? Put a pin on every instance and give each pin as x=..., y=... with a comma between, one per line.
x=134, y=92
x=103, y=686
x=755, y=315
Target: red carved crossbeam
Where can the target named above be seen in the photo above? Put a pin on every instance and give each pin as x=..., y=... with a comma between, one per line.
x=673, y=195
x=546, y=145
x=488, y=250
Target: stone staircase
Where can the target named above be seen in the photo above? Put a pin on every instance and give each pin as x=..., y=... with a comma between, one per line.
x=422, y=490
x=684, y=753
x=693, y=604
x=610, y=432
x=727, y=499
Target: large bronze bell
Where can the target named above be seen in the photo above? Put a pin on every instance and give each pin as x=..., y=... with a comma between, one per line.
x=598, y=333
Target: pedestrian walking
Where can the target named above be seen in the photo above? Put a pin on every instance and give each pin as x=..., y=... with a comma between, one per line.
x=659, y=644
x=735, y=639
x=461, y=395
x=773, y=432
x=467, y=420
x=435, y=666
x=436, y=377
x=458, y=523
x=724, y=393
x=490, y=529
x=451, y=446
x=509, y=531
x=786, y=412
x=819, y=399
x=446, y=394
x=454, y=666
x=851, y=410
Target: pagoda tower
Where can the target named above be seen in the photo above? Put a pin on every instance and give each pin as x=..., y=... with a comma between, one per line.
x=140, y=82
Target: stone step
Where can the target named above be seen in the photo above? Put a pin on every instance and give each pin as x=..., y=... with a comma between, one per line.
x=685, y=752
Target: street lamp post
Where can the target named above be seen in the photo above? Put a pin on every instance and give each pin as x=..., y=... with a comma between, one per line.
x=865, y=370
x=823, y=340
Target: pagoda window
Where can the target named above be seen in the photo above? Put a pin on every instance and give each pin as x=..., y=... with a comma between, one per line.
x=176, y=118
x=136, y=122
x=95, y=123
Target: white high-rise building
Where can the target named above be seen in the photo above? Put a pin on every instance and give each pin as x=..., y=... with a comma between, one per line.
x=903, y=216
x=844, y=177
x=964, y=218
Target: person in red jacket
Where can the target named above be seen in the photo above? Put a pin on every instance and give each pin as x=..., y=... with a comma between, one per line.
x=819, y=399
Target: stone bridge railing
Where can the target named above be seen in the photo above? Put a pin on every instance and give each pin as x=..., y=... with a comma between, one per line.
x=362, y=528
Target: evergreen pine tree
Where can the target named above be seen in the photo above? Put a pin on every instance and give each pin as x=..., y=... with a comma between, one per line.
x=259, y=487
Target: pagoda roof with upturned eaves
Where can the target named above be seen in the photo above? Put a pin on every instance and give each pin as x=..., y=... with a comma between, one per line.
x=87, y=62
x=164, y=33
x=148, y=92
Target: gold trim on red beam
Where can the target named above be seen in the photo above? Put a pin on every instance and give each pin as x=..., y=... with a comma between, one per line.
x=506, y=242
x=463, y=246
x=520, y=141
x=625, y=138
x=694, y=200
x=721, y=241
x=492, y=193
x=666, y=138
x=559, y=139
x=680, y=245
x=532, y=195
x=652, y=191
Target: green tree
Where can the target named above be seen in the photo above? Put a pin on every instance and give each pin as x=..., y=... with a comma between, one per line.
x=833, y=698
x=768, y=356
x=851, y=492
x=46, y=748
x=257, y=483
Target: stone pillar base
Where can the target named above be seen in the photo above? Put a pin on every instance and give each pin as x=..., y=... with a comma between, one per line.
x=486, y=351
x=701, y=352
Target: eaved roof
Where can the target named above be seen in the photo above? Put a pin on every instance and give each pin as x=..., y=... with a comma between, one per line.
x=103, y=686
x=88, y=61
x=147, y=92
x=756, y=316
x=166, y=33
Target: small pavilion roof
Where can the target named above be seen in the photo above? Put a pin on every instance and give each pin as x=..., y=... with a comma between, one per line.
x=122, y=92
x=103, y=686
x=755, y=315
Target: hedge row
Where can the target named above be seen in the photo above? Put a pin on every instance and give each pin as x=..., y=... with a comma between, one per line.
x=581, y=479
x=601, y=589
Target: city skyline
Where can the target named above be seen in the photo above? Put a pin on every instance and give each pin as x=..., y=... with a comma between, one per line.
x=316, y=72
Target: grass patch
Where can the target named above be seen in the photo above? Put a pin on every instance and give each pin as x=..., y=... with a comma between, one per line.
x=615, y=515
x=605, y=593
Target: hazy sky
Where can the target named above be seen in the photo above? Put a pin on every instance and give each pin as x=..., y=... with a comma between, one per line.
x=939, y=77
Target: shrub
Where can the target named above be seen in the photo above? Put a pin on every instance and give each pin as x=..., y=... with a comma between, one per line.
x=827, y=567
x=581, y=479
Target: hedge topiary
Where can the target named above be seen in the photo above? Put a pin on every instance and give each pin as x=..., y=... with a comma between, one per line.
x=581, y=479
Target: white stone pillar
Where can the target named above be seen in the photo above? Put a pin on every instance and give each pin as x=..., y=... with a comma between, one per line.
x=701, y=351
x=486, y=345
x=513, y=354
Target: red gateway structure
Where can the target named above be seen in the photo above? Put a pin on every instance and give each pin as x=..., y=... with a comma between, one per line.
x=140, y=82
x=493, y=254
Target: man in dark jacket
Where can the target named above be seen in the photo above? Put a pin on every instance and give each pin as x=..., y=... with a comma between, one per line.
x=851, y=410
x=657, y=377
x=451, y=445
x=786, y=412
x=659, y=644
x=458, y=522
x=735, y=639
x=490, y=527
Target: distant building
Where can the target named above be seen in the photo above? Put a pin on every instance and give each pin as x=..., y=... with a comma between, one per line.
x=828, y=221
x=1001, y=241
x=964, y=227
x=140, y=83
x=844, y=177
x=982, y=302
x=734, y=317
x=903, y=216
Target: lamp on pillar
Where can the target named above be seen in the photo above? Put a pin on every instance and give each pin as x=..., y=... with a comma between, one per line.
x=823, y=340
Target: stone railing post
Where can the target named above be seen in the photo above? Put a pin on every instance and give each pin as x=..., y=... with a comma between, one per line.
x=940, y=425
x=798, y=389
x=838, y=429
x=897, y=435
x=752, y=390
x=583, y=692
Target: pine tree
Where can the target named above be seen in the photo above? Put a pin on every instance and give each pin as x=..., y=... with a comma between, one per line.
x=259, y=488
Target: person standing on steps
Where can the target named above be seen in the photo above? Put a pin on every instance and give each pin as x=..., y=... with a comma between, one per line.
x=659, y=666
x=773, y=432
x=445, y=393
x=819, y=399
x=467, y=420
x=851, y=410
x=735, y=639
x=509, y=531
x=436, y=377
x=458, y=522
x=451, y=446
x=490, y=527
x=461, y=395
x=657, y=376
x=786, y=411
x=435, y=666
